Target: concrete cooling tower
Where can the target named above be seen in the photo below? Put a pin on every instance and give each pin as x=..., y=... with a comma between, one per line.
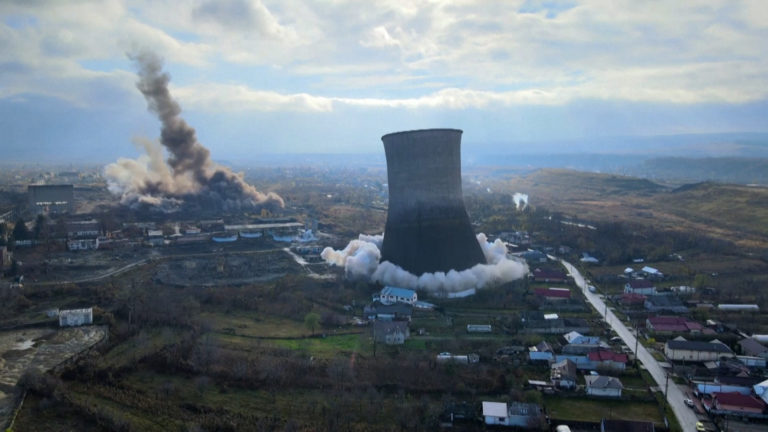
x=428, y=228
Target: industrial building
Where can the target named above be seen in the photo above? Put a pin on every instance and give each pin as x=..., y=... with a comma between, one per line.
x=51, y=199
x=428, y=228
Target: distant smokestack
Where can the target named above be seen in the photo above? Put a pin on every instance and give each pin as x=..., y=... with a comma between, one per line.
x=428, y=229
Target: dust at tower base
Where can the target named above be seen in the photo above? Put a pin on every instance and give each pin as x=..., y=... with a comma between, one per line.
x=428, y=229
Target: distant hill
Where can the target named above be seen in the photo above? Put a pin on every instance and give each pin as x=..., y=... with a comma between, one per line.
x=723, y=169
x=578, y=183
x=736, y=213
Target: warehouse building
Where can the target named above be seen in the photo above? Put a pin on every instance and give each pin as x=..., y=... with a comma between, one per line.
x=51, y=199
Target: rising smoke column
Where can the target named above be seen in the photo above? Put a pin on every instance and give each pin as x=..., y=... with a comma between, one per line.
x=521, y=200
x=189, y=176
x=361, y=257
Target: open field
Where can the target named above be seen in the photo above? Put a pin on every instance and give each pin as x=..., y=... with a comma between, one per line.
x=595, y=409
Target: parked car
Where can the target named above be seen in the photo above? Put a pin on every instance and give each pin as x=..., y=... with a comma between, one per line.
x=700, y=427
x=689, y=402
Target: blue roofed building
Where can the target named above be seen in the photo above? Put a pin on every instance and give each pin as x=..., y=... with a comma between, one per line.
x=392, y=295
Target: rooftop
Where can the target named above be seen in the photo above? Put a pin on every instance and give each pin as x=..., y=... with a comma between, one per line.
x=698, y=346
x=640, y=283
x=397, y=292
x=602, y=381
x=738, y=399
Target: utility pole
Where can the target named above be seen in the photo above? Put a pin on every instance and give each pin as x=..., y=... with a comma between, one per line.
x=666, y=398
x=637, y=340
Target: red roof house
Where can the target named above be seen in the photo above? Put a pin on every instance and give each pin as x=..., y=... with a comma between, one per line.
x=672, y=324
x=737, y=403
x=553, y=293
x=608, y=359
x=554, y=276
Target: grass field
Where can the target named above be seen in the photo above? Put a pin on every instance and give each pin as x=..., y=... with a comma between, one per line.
x=594, y=410
x=254, y=324
x=139, y=346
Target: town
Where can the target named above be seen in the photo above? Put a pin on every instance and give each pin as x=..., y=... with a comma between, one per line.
x=237, y=319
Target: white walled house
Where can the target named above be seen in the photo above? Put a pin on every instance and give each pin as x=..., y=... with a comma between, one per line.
x=75, y=317
x=640, y=286
x=680, y=349
x=390, y=295
x=601, y=385
x=522, y=415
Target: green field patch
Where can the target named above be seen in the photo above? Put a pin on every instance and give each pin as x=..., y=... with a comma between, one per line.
x=145, y=343
x=253, y=324
x=329, y=346
x=593, y=410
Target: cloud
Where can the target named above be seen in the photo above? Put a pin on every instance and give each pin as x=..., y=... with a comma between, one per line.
x=420, y=55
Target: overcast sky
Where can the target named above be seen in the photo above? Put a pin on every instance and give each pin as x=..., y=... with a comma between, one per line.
x=333, y=76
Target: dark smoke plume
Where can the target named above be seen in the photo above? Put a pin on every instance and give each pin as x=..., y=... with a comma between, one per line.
x=189, y=177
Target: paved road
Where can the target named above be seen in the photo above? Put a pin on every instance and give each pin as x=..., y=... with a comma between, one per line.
x=685, y=416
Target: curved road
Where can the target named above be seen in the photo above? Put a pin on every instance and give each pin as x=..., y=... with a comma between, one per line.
x=685, y=416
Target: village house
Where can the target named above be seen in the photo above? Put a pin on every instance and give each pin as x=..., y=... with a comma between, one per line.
x=672, y=324
x=664, y=303
x=640, y=286
x=632, y=300
x=549, y=276
x=534, y=257
x=728, y=384
x=761, y=390
x=391, y=295
x=391, y=332
x=563, y=374
x=751, y=347
x=541, y=351
x=608, y=360
x=651, y=272
x=601, y=385
x=736, y=404
x=553, y=294
x=575, y=337
x=580, y=344
x=388, y=312
x=680, y=349
x=519, y=414
x=75, y=317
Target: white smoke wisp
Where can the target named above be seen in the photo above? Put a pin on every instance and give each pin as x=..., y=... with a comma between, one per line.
x=360, y=260
x=521, y=200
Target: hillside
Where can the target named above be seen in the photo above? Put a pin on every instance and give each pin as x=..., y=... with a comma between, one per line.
x=735, y=213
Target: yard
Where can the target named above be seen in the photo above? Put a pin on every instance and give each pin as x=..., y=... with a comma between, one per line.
x=593, y=409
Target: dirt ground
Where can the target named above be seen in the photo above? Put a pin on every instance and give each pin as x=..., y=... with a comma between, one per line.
x=41, y=349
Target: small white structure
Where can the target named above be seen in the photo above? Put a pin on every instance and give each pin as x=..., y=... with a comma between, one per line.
x=761, y=390
x=523, y=415
x=91, y=243
x=479, y=328
x=446, y=357
x=75, y=317
x=739, y=307
x=652, y=271
x=495, y=413
x=390, y=295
